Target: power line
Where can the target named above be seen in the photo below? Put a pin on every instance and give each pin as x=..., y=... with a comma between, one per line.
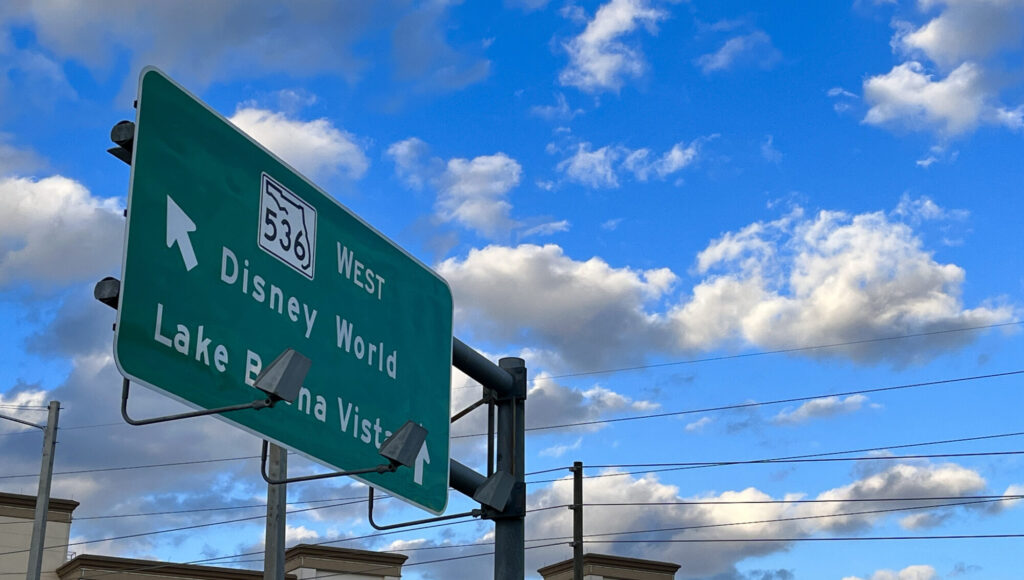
x=354, y=500
x=783, y=520
x=1008, y=497
x=844, y=452
x=133, y=467
x=766, y=403
x=679, y=528
x=771, y=352
x=213, y=509
x=809, y=460
x=827, y=539
x=699, y=465
x=242, y=555
x=225, y=459
x=702, y=465
x=181, y=528
x=986, y=499
x=782, y=350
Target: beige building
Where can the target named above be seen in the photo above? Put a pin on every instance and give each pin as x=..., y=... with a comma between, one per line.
x=604, y=567
x=302, y=562
x=17, y=514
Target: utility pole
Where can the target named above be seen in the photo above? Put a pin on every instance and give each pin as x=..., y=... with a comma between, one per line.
x=277, y=504
x=35, y=557
x=577, y=520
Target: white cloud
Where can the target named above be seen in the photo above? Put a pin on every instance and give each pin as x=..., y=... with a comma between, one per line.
x=600, y=168
x=755, y=48
x=901, y=480
x=612, y=224
x=598, y=58
x=672, y=161
x=398, y=545
x=316, y=148
x=970, y=43
x=560, y=111
x=210, y=39
x=592, y=168
x=718, y=521
x=546, y=229
x=232, y=39
x=924, y=208
x=15, y=160
x=768, y=151
x=54, y=232
x=31, y=79
x=908, y=97
x=964, y=30
x=588, y=311
x=699, y=424
x=412, y=163
x=299, y=534
x=828, y=279
x=796, y=281
x=918, y=572
x=422, y=50
x=842, y=98
x=560, y=450
x=841, y=92
x=24, y=404
x=823, y=407
x=548, y=403
x=472, y=192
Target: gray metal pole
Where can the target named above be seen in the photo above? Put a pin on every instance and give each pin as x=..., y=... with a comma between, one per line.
x=577, y=520
x=482, y=370
x=35, y=555
x=509, y=528
x=277, y=504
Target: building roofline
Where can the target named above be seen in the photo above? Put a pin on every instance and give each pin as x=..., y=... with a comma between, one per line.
x=29, y=501
x=345, y=560
x=149, y=567
x=608, y=560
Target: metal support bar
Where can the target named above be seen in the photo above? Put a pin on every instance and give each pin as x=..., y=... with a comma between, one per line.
x=469, y=409
x=35, y=557
x=509, y=528
x=480, y=369
x=23, y=422
x=490, y=437
x=257, y=404
x=383, y=468
x=471, y=513
x=464, y=480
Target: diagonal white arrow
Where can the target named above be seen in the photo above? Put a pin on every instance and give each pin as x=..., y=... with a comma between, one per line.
x=423, y=457
x=178, y=227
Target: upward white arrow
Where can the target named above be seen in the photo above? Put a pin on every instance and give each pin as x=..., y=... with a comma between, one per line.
x=423, y=457
x=178, y=227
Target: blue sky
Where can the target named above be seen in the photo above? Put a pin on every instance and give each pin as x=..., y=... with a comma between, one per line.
x=711, y=194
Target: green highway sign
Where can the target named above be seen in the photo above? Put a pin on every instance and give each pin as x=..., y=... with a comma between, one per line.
x=231, y=256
